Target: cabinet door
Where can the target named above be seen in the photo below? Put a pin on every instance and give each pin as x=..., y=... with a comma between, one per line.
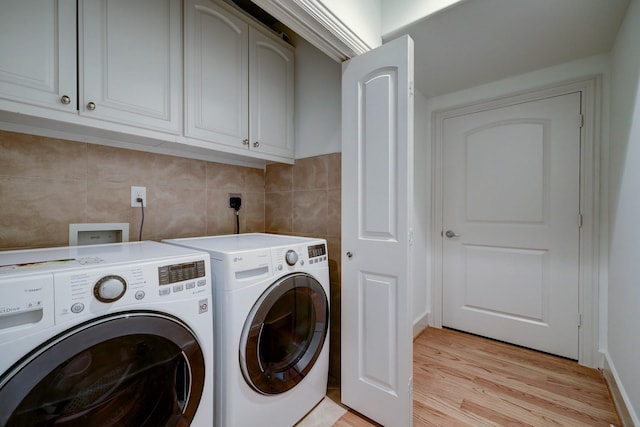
x=271, y=95
x=131, y=62
x=38, y=52
x=216, y=55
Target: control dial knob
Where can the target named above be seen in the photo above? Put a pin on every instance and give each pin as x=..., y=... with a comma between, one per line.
x=291, y=257
x=110, y=288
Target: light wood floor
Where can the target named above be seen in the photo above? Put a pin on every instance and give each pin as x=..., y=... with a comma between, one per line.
x=461, y=379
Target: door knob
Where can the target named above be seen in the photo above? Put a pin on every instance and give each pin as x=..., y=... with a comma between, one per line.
x=451, y=233
x=349, y=254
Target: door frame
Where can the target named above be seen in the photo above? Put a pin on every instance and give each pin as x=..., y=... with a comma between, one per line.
x=589, y=249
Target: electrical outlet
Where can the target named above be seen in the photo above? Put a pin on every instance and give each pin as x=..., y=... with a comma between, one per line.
x=138, y=192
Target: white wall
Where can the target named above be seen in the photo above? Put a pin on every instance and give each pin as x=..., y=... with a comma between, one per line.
x=624, y=213
x=421, y=226
x=317, y=102
x=363, y=17
x=397, y=14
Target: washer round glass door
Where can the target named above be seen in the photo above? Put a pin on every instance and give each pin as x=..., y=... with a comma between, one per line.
x=284, y=334
x=128, y=369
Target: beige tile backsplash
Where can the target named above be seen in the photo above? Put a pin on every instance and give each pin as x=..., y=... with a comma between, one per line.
x=47, y=183
x=304, y=200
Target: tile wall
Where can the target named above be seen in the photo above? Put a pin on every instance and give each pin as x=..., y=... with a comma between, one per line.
x=46, y=184
x=304, y=200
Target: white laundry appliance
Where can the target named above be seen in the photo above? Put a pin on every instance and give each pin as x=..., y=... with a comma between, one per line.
x=106, y=335
x=271, y=297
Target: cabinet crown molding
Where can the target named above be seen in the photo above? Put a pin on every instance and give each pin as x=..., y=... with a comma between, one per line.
x=318, y=25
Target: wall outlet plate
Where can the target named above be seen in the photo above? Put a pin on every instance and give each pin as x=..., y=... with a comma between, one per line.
x=138, y=192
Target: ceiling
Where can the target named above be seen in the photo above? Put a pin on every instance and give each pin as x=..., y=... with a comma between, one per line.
x=481, y=41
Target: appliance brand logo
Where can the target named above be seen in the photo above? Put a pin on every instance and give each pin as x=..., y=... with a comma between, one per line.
x=237, y=259
x=31, y=290
x=8, y=310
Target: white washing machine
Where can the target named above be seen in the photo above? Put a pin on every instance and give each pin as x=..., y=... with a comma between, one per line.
x=271, y=326
x=106, y=335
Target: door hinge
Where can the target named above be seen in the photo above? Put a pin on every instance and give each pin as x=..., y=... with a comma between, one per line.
x=411, y=88
x=411, y=237
x=581, y=120
x=579, y=319
x=579, y=220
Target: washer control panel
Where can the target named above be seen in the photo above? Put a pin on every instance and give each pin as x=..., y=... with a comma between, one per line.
x=92, y=291
x=168, y=274
x=26, y=303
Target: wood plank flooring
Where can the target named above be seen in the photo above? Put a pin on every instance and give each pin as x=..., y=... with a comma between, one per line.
x=465, y=380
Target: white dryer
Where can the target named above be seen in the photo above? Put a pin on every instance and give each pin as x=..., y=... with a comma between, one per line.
x=106, y=335
x=271, y=326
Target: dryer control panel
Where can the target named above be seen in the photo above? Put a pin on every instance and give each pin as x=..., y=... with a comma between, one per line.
x=298, y=256
x=317, y=253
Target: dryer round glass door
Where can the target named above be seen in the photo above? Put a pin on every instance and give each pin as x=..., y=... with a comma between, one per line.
x=284, y=334
x=129, y=369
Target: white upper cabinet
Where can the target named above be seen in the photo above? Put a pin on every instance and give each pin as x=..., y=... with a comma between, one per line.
x=131, y=62
x=38, y=53
x=271, y=69
x=217, y=74
x=239, y=82
x=111, y=72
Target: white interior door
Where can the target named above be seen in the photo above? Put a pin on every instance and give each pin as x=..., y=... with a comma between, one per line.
x=511, y=186
x=377, y=171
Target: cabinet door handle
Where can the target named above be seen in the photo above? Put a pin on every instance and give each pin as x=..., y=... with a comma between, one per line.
x=256, y=144
x=245, y=142
x=91, y=106
x=65, y=100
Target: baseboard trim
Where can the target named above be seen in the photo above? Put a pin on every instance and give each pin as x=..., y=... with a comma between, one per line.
x=420, y=324
x=621, y=400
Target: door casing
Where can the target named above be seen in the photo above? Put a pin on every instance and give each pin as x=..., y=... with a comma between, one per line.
x=588, y=301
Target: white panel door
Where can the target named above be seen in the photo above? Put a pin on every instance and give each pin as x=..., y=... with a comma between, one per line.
x=377, y=181
x=38, y=52
x=131, y=67
x=511, y=223
x=271, y=95
x=217, y=74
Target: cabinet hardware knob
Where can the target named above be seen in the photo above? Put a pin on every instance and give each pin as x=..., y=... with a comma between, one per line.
x=256, y=144
x=65, y=100
x=91, y=106
x=349, y=254
x=245, y=142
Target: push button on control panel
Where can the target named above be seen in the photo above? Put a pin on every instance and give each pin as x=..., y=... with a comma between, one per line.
x=77, y=307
